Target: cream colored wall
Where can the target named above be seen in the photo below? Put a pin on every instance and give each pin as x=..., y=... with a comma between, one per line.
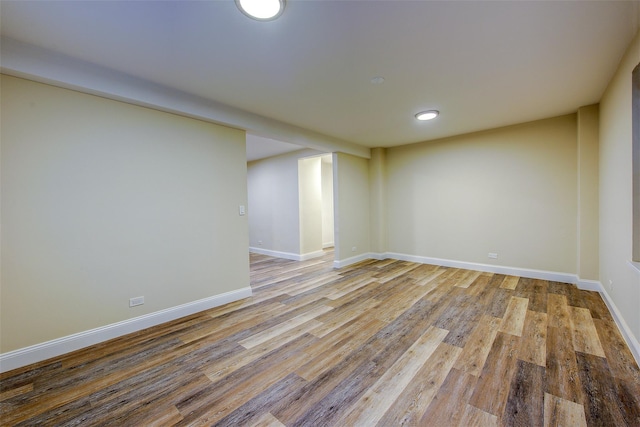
x=620, y=279
x=510, y=191
x=310, y=195
x=103, y=201
x=588, y=235
x=378, y=194
x=327, y=200
x=351, y=196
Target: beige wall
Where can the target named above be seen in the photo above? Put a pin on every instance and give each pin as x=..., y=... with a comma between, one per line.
x=327, y=200
x=351, y=196
x=310, y=195
x=620, y=279
x=378, y=194
x=588, y=235
x=103, y=201
x=510, y=191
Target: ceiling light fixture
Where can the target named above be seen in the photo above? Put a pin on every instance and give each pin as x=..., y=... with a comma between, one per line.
x=261, y=10
x=427, y=115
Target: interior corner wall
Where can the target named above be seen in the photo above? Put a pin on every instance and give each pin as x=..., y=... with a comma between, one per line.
x=310, y=208
x=509, y=191
x=378, y=193
x=327, y=201
x=588, y=235
x=619, y=277
x=103, y=201
x=351, y=195
x=273, y=208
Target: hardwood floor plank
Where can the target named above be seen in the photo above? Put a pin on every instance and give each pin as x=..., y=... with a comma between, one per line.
x=510, y=282
x=563, y=379
x=256, y=410
x=267, y=420
x=559, y=412
x=372, y=405
x=533, y=348
x=473, y=416
x=600, y=393
x=585, y=336
x=525, y=404
x=468, y=279
x=448, y=405
x=460, y=317
x=476, y=350
x=535, y=290
x=10, y=393
x=490, y=394
x=513, y=320
x=558, y=311
x=411, y=404
x=378, y=342
x=284, y=327
x=372, y=360
x=336, y=351
x=619, y=357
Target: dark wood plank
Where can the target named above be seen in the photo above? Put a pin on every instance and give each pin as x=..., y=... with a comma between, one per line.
x=525, y=404
x=601, y=403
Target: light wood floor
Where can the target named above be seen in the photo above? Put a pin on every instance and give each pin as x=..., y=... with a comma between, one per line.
x=378, y=343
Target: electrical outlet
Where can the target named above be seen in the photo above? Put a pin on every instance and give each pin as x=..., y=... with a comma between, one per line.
x=259, y=242
x=493, y=255
x=136, y=301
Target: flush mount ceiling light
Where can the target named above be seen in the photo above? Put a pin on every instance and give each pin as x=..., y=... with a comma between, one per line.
x=427, y=115
x=261, y=10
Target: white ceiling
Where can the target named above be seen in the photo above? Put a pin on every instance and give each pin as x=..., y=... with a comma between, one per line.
x=259, y=147
x=483, y=64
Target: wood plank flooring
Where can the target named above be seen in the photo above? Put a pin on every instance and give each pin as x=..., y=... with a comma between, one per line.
x=385, y=343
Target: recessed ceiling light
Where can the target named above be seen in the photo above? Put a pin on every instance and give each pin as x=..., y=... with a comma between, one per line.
x=377, y=80
x=261, y=10
x=427, y=115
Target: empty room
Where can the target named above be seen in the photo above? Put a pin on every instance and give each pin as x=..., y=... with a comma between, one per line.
x=320, y=213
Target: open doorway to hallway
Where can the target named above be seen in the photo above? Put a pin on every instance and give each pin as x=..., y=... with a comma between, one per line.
x=290, y=204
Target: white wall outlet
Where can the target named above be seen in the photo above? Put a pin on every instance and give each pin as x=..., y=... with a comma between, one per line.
x=353, y=249
x=136, y=301
x=493, y=255
x=259, y=242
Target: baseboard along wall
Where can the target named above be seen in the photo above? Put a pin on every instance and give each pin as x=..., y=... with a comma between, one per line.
x=43, y=351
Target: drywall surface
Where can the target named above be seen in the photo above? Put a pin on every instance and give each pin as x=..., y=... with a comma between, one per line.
x=351, y=196
x=310, y=194
x=588, y=206
x=103, y=201
x=327, y=201
x=620, y=279
x=509, y=191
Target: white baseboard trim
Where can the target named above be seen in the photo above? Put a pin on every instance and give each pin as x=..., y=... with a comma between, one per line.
x=311, y=255
x=489, y=268
x=286, y=255
x=43, y=351
x=355, y=259
x=276, y=254
x=327, y=245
